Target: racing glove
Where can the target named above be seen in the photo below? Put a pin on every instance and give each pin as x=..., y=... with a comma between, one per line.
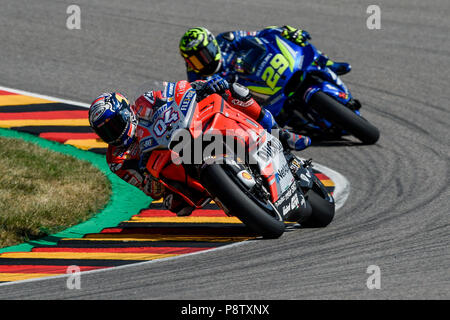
x=215, y=84
x=298, y=36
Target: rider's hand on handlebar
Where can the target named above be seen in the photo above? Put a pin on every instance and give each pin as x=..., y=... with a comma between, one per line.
x=297, y=36
x=216, y=85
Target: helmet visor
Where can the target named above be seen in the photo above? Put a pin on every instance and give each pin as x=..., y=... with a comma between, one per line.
x=112, y=130
x=204, y=57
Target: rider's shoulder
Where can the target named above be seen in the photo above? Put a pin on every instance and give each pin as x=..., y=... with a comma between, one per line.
x=144, y=105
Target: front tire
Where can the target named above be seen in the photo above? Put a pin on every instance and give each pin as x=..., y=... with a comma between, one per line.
x=234, y=198
x=345, y=118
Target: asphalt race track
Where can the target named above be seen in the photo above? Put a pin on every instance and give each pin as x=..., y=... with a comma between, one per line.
x=397, y=214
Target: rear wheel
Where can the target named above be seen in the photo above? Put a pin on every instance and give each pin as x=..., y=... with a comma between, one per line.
x=256, y=213
x=344, y=118
x=322, y=211
x=322, y=203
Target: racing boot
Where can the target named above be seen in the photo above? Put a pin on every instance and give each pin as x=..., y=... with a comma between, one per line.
x=340, y=68
x=176, y=204
x=294, y=141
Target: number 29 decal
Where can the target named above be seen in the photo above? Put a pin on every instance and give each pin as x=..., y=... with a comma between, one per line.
x=272, y=73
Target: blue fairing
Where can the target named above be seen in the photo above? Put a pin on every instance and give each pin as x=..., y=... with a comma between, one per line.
x=329, y=89
x=267, y=63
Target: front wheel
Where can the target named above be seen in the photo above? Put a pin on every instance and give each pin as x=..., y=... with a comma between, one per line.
x=344, y=118
x=253, y=212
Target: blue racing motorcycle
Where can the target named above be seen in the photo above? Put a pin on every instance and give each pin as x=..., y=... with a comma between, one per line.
x=297, y=87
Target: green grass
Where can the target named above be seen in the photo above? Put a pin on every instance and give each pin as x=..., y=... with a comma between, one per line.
x=43, y=192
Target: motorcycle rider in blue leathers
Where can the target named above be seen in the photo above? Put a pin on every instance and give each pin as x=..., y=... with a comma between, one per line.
x=206, y=55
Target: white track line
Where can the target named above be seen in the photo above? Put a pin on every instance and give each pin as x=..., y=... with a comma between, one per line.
x=341, y=192
x=36, y=95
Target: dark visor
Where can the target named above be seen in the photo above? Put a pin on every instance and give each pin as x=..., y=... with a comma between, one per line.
x=113, y=129
x=204, y=57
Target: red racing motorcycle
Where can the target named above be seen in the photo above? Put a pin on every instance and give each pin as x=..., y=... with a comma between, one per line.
x=207, y=150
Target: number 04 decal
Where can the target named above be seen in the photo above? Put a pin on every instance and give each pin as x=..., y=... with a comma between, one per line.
x=167, y=118
x=272, y=73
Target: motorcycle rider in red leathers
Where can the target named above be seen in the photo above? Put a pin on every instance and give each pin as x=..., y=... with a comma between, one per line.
x=116, y=121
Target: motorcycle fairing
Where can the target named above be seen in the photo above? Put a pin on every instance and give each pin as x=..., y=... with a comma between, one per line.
x=214, y=115
x=268, y=86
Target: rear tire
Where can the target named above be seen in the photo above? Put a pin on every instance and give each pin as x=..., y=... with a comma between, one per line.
x=233, y=197
x=345, y=118
x=322, y=211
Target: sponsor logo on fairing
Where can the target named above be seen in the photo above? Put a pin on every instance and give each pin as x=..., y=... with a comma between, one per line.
x=271, y=148
x=115, y=166
x=286, y=195
x=286, y=209
x=170, y=91
x=283, y=171
x=263, y=64
x=147, y=143
x=294, y=201
x=240, y=103
x=187, y=100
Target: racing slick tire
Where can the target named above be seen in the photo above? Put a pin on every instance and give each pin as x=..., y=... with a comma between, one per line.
x=322, y=211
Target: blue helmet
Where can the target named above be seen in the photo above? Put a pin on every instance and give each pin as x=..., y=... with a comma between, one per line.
x=112, y=119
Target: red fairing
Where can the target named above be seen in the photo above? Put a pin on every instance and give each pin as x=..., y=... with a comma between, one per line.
x=249, y=107
x=180, y=90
